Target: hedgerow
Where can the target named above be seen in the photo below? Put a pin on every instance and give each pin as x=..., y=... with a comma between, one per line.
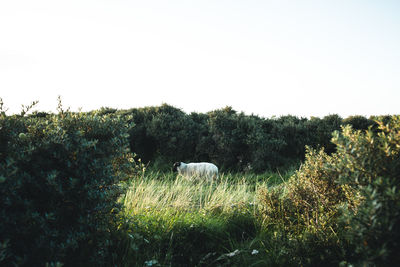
x=58, y=187
x=232, y=140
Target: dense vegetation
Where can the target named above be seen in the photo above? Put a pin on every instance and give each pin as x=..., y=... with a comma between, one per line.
x=232, y=140
x=74, y=194
x=58, y=192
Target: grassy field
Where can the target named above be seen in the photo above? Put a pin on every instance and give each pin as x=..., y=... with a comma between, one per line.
x=73, y=195
x=176, y=222
x=335, y=210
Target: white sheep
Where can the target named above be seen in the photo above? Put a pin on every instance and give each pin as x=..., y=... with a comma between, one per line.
x=196, y=170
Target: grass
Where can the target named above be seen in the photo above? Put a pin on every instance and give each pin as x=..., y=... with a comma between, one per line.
x=176, y=222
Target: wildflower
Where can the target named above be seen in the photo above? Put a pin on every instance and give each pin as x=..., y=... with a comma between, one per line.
x=254, y=252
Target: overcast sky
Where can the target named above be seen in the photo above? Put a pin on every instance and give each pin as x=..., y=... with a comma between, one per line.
x=304, y=58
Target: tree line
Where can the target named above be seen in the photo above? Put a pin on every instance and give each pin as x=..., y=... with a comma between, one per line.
x=232, y=140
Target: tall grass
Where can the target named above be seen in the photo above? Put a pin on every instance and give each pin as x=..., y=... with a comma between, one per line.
x=163, y=193
x=179, y=222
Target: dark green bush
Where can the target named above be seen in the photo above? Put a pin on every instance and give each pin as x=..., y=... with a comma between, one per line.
x=58, y=176
x=232, y=140
x=319, y=132
x=359, y=122
x=229, y=131
x=164, y=134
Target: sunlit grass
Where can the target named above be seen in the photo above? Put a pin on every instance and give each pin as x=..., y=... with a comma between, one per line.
x=166, y=191
x=175, y=220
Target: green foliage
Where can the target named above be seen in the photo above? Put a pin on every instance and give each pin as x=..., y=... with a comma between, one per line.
x=370, y=163
x=58, y=176
x=165, y=132
x=344, y=207
x=359, y=122
x=305, y=210
x=320, y=131
x=61, y=176
x=234, y=141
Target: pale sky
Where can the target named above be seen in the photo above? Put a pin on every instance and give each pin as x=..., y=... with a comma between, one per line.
x=270, y=58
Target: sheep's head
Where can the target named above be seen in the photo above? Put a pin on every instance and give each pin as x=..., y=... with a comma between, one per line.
x=175, y=167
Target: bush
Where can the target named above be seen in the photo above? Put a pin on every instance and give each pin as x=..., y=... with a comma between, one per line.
x=305, y=209
x=229, y=131
x=164, y=133
x=320, y=132
x=58, y=176
x=343, y=207
x=232, y=140
x=370, y=163
x=359, y=122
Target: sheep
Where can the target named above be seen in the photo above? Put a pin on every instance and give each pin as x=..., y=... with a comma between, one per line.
x=196, y=170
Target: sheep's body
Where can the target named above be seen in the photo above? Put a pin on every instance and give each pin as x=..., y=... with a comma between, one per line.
x=197, y=170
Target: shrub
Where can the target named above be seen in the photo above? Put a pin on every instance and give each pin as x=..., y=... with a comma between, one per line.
x=343, y=207
x=370, y=163
x=305, y=210
x=359, y=122
x=309, y=195
x=58, y=177
x=320, y=132
x=265, y=145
